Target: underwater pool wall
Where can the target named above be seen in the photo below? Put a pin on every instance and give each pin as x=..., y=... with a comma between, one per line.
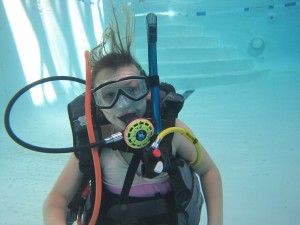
x=266, y=32
x=199, y=41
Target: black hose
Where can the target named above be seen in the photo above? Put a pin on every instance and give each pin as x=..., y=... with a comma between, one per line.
x=38, y=148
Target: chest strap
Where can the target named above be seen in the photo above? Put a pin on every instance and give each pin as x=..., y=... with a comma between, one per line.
x=133, y=166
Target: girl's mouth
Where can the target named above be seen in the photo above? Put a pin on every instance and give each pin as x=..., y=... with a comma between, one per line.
x=128, y=117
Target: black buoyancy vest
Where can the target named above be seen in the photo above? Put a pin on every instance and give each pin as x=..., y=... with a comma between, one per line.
x=186, y=195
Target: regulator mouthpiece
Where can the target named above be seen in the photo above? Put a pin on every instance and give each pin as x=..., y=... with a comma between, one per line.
x=138, y=131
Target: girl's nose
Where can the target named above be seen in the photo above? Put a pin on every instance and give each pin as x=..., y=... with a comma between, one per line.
x=123, y=102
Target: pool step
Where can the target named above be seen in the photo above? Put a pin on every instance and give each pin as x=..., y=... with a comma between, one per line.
x=190, y=82
x=178, y=19
x=186, y=54
x=188, y=57
x=198, y=41
x=179, y=68
x=172, y=30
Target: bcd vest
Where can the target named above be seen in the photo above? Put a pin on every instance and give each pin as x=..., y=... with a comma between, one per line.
x=180, y=207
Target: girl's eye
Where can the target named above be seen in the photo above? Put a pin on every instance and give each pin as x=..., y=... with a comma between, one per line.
x=132, y=90
x=108, y=96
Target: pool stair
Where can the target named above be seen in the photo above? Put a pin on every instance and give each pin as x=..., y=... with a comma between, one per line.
x=188, y=58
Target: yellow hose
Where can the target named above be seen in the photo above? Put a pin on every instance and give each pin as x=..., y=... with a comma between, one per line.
x=186, y=134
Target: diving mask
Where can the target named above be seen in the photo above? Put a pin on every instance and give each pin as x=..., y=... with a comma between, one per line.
x=133, y=87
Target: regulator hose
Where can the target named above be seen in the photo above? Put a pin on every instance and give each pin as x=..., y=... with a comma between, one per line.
x=187, y=134
x=24, y=144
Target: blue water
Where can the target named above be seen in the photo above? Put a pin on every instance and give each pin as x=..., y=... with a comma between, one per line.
x=242, y=61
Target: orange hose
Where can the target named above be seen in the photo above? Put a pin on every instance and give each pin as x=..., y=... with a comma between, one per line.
x=79, y=221
x=92, y=139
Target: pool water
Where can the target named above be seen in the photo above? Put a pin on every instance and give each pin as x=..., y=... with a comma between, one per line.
x=241, y=59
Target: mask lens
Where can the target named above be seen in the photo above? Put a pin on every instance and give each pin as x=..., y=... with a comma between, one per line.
x=107, y=95
x=134, y=88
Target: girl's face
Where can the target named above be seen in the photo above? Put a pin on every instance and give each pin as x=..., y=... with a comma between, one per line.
x=123, y=104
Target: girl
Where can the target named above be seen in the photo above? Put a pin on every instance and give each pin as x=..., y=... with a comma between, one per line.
x=120, y=88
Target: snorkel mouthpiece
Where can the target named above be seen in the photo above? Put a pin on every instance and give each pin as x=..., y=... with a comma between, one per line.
x=138, y=131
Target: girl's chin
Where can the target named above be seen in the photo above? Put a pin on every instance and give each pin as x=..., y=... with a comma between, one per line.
x=119, y=126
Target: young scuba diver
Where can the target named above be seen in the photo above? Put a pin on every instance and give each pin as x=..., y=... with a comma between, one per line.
x=120, y=88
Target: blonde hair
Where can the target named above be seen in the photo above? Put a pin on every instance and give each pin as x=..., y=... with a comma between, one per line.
x=114, y=51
